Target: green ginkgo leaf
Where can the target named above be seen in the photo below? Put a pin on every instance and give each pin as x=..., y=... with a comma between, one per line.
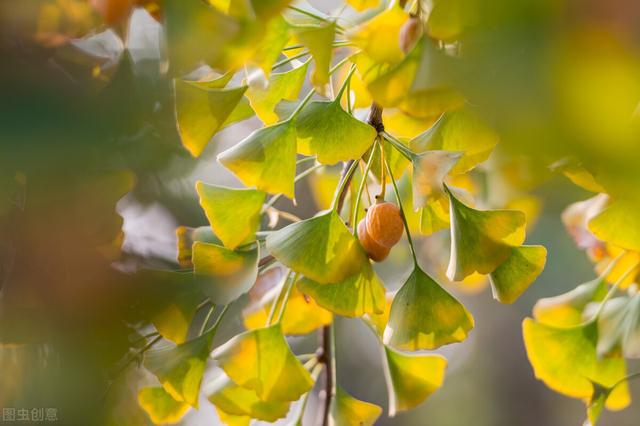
x=261, y=360
x=618, y=224
x=201, y=111
x=429, y=171
x=320, y=248
x=481, y=239
x=459, y=131
x=346, y=410
x=238, y=401
x=434, y=216
x=227, y=274
x=448, y=19
x=186, y=236
x=566, y=310
x=332, y=134
x=425, y=316
x=516, y=274
x=356, y=295
x=180, y=368
x=160, y=406
x=619, y=327
x=281, y=86
x=411, y=378
x=565, y=359
x=319, y=41
x=266, y=159
x=234, y=214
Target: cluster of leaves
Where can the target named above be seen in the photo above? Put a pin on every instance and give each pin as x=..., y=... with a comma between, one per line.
x=421, y=137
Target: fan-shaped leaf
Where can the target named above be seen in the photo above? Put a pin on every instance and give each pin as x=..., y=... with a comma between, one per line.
x=234, y=214
x=229, y=274
x=160, y=406
x=345, y=410
x=186, y=236
x=379, y=36
x=565, y=359
x=356, y=295
x=180, y=368
x=201, y=111
x=326, y=130
x=261, y=360
x=266, y=159
x=434, y=216
x=516, y=274
x=411, y=378
x=238, y=401
x=618, y=224
x=424, y=316
x=429, y=171
x=481, y=239
x=320, y=248
x=281, y=86
x=319, y=41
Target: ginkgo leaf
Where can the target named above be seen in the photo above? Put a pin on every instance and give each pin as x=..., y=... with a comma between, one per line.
x=186, y=236
x=232, y=420
x=160, y=406
x=272, y=42
x=515, y=275
x=262, y=360
x=319, y=41
x=619, y=327
x=411, y=378
x=281, y=86
x=578, y=174
x=361, y=5
x=180, y=368
x=327, y=131
x=320, y=248
x=379, y=36
x=447, y=19
x=434, y=216
x=565, y=359
x=302, y=315
x=618, y=224
x=597, y=402
x=481, y=239
x=266, y=159
x=356, y=295
x=227, y=274
x=201, y=111
x=345, y=410
x=238, y=401
x=418, y=84
x=565, y=310
x=425, y=316
x=234, y=214
x=429, y=171
x=459, y=131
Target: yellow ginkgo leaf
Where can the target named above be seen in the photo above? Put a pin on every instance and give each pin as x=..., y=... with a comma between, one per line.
x=302, y=314
x=261, y=360
x=180, y=368
x=186, y=236
x=234, y=214
x=320, y=248
x=515, y=275
x=266, y=159
x=232, y=420
x=618, y=224
x=225, y=274
x=379, y=37
x=238, y=401
x=361, y=5
x=434, y=215
x=481, y=239
x=565, y=359
x=425, y=316
x=411, y=378
x=160, y=406
x=201, y=111
x=345, y=410
x=356, y=295
x=319, y=40
x=281, y=86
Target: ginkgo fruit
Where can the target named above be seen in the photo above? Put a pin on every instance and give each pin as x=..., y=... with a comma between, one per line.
x=384, y=224
x=375, y=251
x=113, y=11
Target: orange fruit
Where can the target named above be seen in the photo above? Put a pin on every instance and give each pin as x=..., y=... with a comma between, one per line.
x=384, y=224
x=113, y=11
x=376, y=252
